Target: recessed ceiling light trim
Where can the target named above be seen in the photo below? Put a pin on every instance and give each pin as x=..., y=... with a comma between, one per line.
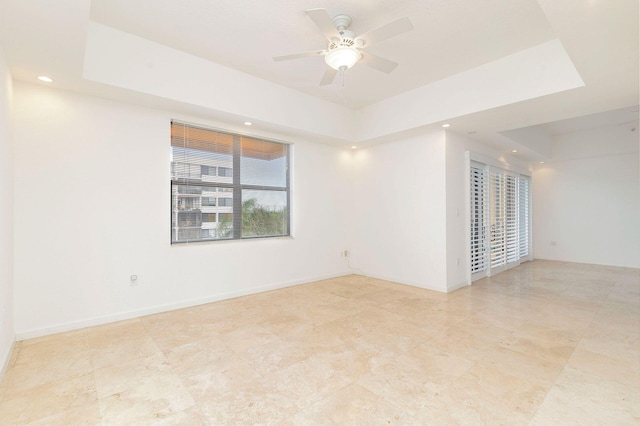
x=45, y=79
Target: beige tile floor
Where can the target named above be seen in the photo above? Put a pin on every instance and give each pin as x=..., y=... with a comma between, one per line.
x=546, y=343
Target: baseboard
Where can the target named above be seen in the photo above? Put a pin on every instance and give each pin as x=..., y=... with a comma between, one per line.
x=5, y=358
x=457, y=286
x=409, y=283
x=106, y=319
x=583, y=262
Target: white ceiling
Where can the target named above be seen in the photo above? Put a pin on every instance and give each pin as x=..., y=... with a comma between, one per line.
x=619, y=117
x=450, y=37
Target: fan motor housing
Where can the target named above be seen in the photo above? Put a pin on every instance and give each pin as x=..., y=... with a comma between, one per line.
x=347, y=40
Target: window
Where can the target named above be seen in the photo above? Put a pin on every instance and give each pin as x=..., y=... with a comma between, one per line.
x=188, y=233
x=208, y=201
x=189, y=219
x=225, y=202
x=188, y=203
x=185, y=189
x=208, y=170
x=208, y=217
x=185, y=171
x=208, y=233
x=225, y=172
x=225, y=217
x=253, y=172
x=499, y=219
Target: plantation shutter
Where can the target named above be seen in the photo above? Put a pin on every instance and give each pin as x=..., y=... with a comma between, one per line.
x=512, y=227
x=497, y=209
x=499, y=219
x=479, y=217
x=523, y=211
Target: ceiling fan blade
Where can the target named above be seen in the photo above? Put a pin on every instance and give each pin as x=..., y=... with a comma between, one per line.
x=329, y=75
x=300, y=55
x=378, y=63
x=392, y=29
x=324, y=22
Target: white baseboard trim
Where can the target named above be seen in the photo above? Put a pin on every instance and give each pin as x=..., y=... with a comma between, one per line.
x=106, y=319
x=5, y=358
x=457, y=286
x=584, y=262
x=409, y=283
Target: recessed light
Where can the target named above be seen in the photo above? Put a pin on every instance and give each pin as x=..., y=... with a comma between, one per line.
x=45, y=79
x=541, y=162
x=514, y=150
x=353, y=147
x=248, y=123
x=446, y=125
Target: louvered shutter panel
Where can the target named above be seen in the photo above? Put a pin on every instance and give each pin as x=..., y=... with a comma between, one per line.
x=497, y=208
x=523, y=211
x=499, y=231
x=479, y=218
x=512, y=227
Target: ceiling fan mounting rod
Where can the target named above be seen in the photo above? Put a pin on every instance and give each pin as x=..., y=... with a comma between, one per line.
x=341, y=22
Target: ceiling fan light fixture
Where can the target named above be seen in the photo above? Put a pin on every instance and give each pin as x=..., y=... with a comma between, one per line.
x=342, y=51
x=342, y=58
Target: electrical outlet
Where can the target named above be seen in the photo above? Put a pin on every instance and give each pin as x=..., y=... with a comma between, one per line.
x=345, y=253
x=133, y=280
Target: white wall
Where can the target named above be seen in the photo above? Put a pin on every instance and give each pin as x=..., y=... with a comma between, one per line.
x=399, y=211
x=457, y=214
x=92, y=207
x=409, y=216
x=586, y=199
x=7, y=336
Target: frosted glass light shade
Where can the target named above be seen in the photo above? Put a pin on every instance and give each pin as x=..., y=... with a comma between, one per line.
x=342, y=58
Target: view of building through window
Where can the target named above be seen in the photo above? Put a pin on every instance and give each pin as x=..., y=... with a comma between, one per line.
x=227, y=186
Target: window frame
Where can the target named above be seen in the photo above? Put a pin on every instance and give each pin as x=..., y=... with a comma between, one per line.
x=235, y=187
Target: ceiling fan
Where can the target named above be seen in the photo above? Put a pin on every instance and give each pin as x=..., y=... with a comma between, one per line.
x=345, y=49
